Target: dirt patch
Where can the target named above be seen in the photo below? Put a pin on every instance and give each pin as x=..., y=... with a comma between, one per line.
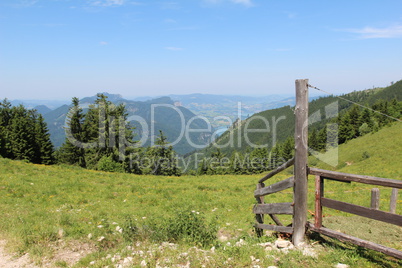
x=10, y=261
x=69, y=252
x=72, y=251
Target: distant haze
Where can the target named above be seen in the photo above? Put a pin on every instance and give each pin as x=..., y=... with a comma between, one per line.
x=54, y=50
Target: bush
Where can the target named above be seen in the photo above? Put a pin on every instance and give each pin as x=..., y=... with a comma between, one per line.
x=106, y=163
x=184, y=226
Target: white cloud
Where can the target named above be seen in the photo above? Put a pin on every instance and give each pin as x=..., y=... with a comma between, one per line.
x=107, y=3
x=174, y=48
x=103, y=43
x=371, y=33
x=247, y=3
x=24, y=3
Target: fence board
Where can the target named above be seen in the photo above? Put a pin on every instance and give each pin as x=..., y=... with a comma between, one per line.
x=362, y=211
x=281, y=229
x=357, y=241
x=278, y=169
x=394, y=199
x=356, y=178
x=273, y=188
x=275, y=208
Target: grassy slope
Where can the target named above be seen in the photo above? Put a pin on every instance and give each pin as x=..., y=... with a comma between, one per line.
x=38, y=201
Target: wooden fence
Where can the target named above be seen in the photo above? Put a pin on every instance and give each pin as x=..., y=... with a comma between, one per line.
x=273, y=209
x=299, y=183
x=372, y=213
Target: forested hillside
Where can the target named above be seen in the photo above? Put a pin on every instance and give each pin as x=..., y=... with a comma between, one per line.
x=269, y=134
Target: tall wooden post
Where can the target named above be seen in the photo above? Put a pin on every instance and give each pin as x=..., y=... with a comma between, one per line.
x=300, y=167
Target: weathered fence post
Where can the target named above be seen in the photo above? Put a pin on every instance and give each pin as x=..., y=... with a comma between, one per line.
x=300, y=167
x=375, y=198
x=394, y=198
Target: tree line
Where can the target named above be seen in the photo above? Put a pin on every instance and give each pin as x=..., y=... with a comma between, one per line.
x=24, y=135
x=102, y=139
x=351, y=123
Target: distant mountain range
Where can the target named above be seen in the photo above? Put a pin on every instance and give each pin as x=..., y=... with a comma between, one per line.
x=167, y=113
x=148, y=117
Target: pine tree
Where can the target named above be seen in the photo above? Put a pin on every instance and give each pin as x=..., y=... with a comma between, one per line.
x=72, y=151
x=22, y=135
x=45, y=144
x=346, y=129
x=163, y=158
x=287, y=147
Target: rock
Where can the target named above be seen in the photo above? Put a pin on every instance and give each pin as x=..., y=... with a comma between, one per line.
x=240, y=243
x=143, y=263
x=282, y=243
x=341, y=265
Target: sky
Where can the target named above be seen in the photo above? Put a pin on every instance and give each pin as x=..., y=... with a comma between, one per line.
x=58, y=49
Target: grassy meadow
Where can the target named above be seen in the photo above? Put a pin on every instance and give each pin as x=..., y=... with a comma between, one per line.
x=54, y=212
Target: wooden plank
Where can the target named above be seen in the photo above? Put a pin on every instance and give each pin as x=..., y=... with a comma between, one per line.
x=278, y=169
x=319, y=190
x=394, y=199
x=276, y=187
x=356, y=178
x=275, y=208
x=375, y=198
x=276, y=219
x=300, y=166
x=281, y=229
x=357, y=241
x=362, y=211
x=259, y=217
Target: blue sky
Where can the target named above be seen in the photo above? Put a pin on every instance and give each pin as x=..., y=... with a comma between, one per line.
x=56, y=49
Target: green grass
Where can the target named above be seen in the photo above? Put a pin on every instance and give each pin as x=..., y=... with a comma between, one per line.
x=45, y=206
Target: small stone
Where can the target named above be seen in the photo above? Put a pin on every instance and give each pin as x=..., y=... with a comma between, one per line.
x=89, y=236
x=240, y=243
x=101, y=238
x=143, y=263
x=282, y=243
x=92, y=263
x=128, y=260
x=341, y=265
x=213, y=249
x=60, y=233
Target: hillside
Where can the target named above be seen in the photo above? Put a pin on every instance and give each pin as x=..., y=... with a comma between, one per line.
x=276, y=125
x=156, y=114
x=54, y=212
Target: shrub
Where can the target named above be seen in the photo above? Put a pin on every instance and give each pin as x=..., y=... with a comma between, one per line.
x=106, y=163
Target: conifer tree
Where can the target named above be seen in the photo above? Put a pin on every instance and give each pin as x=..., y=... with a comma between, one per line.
x=71, y=152
x=163, y=158
x=45, y=150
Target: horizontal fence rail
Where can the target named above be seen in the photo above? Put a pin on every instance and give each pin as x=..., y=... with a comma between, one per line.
x=372, y=213
x=355, y=178
x=278, y=169
x=273, y=188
